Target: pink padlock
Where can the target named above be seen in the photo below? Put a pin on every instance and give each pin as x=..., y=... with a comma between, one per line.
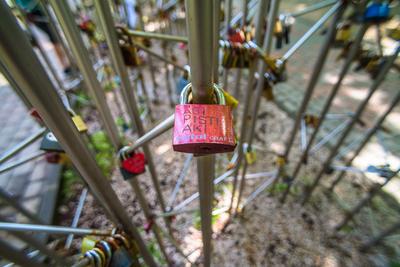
x=203, y=129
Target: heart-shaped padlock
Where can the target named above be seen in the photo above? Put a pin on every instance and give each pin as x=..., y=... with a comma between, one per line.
x=135, y=163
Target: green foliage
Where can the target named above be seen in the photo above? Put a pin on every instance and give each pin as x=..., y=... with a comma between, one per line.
x=69, y=178
x=105, y=151
x=156, y=253
x=197, y=220
x=82, y=100
x=279, y=188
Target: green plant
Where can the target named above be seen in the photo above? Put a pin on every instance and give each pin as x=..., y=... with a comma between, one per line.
x=105, y=151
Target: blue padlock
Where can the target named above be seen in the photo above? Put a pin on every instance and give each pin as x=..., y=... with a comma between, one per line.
x=183, y=80
x=377, y=12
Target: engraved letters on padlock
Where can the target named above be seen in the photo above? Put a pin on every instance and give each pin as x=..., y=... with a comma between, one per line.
x=203, y=129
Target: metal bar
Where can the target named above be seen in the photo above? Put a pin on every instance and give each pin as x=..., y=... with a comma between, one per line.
x=380, y=78
x=167, y=77
x=12, y=254
x=256, y=192
x=357, y=208
x=30, y=255
x=18, y=57
x=158, y=36
x=14, y=86
x=149, y=58
x=158, y=130
x=193, y=197
x=239, y=71
x=67, y=22
x=313, y=8
x=12, y=165
x=338, y=9
x=327, y=137
x=10, y=200
x=116, y=56
x=182, y=175
x=77, y=215
x=228, y=15
x=146, y=95
x=216, y=23
x=272, y=15
x=151, y=53
x=57, y=230
x=311, y=31
x=36, y=244
x=263, y=7
x=134, y=182
x=17, y=148
x=379, y=39
x=303, y=134
x=366, y=138
x=235, y=20
x=380, y=237
x=201, y=46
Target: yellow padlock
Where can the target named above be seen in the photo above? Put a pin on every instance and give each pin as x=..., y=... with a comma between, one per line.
x=79, y=123
x=251, y=157
x=88, y=243
x=230, y=100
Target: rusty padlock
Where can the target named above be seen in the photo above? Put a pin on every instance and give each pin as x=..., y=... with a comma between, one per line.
x=203, y=129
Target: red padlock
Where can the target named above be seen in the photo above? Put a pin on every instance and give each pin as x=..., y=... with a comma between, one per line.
x=203, y=129
x=132, y=164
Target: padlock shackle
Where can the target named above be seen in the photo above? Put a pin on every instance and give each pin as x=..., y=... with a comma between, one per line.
x=184, y=97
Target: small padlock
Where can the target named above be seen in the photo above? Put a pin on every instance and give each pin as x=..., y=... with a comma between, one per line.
x=131, y=163
x=251, y=156
x=377, y=12
x=50, y=143
x=183, y=80
x=203, y=129
x=236, y=36
x=121, y=256
x=343, y=34
x=278, y=33
x=79, y=123
x=230, y=100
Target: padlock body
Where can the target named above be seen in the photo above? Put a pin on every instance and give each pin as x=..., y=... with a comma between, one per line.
x=203, y=129
x=377, y=12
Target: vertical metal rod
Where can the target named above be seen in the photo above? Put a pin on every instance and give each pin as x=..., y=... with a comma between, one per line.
x=36, y=244
x=53, y=27
x=127, y=92
x=303, y=134
x=145, y=93
x=228, y=15
x=381, y=76
x=319, y=64
x=149, y=58
x=357, y=208
x=12, y=254
x=77, y=215
x=18, y=57
x=134, y=182
x=272, y=14
x=72, y=34
x=239, y=71
x=366, y=138
x=201, y=46
x=10, y=200
x=39, y=46
x=263, y=4
x=216, y=23
x=379, y=238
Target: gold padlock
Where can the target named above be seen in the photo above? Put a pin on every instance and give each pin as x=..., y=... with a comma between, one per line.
x=251, y=157
x=230, y=100
x=79, y=123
